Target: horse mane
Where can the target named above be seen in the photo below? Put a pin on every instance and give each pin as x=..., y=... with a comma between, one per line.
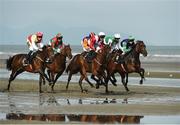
x=133, y=47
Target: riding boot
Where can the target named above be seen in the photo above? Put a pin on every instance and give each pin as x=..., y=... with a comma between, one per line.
x=28, y=58
x=88, y=57
x=120, y=59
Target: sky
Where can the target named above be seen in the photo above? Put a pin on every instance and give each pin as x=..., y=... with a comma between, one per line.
x=156, y=22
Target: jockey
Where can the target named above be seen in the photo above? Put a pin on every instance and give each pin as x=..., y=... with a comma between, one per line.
x=101, y=40
x=57, y=43
x=113, y=41
x=89, y=42
x=34, y=42
x=127, y=44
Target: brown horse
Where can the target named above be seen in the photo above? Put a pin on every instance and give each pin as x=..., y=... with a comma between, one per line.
x=15, y=64
x=112, y=57
x=59, y=64
x=131, y=64
x=79, y=64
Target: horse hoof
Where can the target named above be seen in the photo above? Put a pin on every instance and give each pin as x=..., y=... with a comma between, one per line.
x=44, y=83
x=97, y=86
x=50, y=83
x=114, y=84
x=141, y=82
x=84, y=91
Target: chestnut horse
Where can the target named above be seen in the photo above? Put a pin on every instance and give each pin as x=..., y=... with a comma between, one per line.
x=79, y=64
x=15, y=64
x=59, y=64
x=131, y=64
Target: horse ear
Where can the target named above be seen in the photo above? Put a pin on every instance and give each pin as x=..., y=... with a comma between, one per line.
x=68, y=45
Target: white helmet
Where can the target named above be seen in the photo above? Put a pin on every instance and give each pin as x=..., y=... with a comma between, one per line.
x=117, y=36
x=101, y=34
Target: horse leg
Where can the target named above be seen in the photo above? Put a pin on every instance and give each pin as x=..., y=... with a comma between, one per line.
x=43, y=74
x=141, y=73
x=97, y=81
x=113, y=80
x=57, y=76
x=123, y=81
x=40, y=82
x=106, y=83
x=94, y=78
x=50, y=77
x=52, y=85
x=13, y=76
x=126, y=79
x=69, y=79
x=80, y=82
x=43, y=80
x=86, y=78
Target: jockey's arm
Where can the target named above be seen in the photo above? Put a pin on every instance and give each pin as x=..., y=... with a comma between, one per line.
x=40, y=45
x=85, y=44
x=52, y=43
x=34, y=45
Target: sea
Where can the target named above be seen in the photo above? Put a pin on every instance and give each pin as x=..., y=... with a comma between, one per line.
x=171, y=53
x=156, y=54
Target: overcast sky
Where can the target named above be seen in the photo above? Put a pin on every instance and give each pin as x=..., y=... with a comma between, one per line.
x=156, y=22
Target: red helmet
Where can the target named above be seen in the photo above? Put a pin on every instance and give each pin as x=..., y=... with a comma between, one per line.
x=39, y=34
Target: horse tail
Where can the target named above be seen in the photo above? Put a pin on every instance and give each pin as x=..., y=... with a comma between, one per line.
x=9, y=62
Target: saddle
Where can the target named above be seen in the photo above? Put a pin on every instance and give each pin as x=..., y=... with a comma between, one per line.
x=29, y=58
x=89, y=56
x=120, y=59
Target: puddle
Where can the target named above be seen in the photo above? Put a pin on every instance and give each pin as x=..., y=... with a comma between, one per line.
x=33, y=103
x=47, y=106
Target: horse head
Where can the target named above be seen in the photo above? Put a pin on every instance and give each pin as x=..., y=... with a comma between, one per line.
x=66, y=50
x=141, y=48
x=48, y=52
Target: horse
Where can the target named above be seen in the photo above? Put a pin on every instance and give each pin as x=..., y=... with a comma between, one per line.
x=59, y=64
x=15, y=64
x=114, y=55
x=131, y=64
x=80, y=64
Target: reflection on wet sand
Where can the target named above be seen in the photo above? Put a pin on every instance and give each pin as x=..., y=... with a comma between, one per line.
x=51, y=100
x=78, y=118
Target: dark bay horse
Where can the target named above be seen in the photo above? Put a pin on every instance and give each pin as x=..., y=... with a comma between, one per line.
x=59, y=64
x=79, y=64
x=131, y=64
x=15, y=64
x=112, y=57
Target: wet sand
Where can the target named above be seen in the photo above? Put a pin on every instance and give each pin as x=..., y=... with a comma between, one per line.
x=141, y=100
